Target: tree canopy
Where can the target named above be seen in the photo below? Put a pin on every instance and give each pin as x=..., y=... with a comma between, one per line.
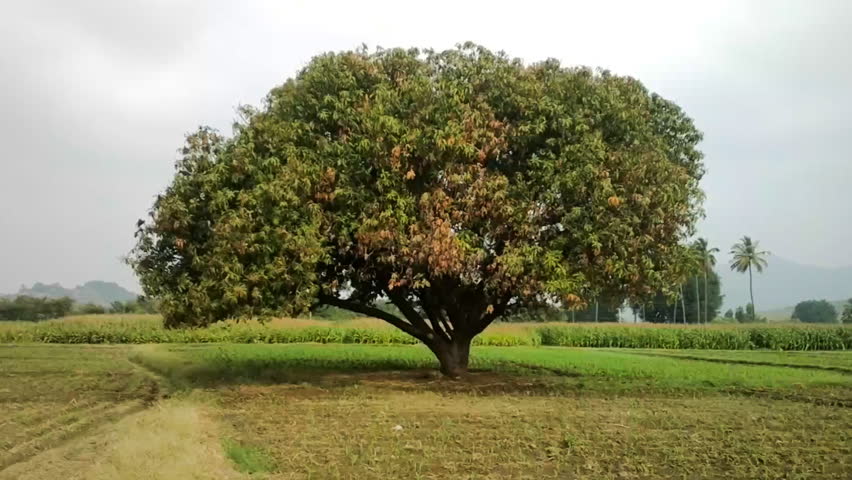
x=459, y=185
x=815, y=311
x=661, y=308
x=846, y=317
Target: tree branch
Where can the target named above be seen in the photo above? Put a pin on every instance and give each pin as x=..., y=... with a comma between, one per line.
x=374, y=312
x=498, y=310
x=438, y=323
x=410, y=313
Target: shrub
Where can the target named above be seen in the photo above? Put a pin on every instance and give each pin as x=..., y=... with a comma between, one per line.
x=91, y=309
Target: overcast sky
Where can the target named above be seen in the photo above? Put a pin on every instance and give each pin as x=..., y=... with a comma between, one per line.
x=95, y=97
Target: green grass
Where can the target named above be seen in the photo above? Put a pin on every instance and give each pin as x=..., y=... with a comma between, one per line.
x=247, y=458
x=840, y=361
x=567, y=369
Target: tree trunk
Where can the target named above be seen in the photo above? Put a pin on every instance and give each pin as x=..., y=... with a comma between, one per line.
x=682, y=304
x=751, y=295
x=698, y=304
x=706, y=320
x=596, y=311
x=453, y=356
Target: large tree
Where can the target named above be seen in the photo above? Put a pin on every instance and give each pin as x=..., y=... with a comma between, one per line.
x=815, y=311
x=746, y=256
x=458, y=185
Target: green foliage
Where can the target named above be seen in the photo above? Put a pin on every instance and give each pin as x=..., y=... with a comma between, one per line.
x=846, y=317
x=141, y=305
x=747, y=315
x=456, y=184
x=30, y=308
x=607, y=311
x=706, y=254
x=815, y=311
x=326, y=312
x=90, y=309
x=598, y=369
x=661, y=308
x=247, y=458
x=745, y=257
x=729, y=313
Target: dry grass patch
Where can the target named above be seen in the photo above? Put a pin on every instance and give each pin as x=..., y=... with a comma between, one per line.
x=172, y=440
x=50, y=394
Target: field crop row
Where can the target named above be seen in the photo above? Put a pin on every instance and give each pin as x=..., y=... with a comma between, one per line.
x=148, y=329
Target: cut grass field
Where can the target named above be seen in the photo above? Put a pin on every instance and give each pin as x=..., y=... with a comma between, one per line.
x=359, y=411
x=51, y=393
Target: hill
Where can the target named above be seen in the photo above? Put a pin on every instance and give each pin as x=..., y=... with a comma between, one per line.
x=98, y=292
x=785, y=283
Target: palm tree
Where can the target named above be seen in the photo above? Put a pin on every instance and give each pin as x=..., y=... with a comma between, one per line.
x=746, y=256
x=708, y=260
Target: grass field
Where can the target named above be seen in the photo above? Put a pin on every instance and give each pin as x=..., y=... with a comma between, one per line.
x=359, y=411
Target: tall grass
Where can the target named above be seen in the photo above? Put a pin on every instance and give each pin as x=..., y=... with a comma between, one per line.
x=138, y=329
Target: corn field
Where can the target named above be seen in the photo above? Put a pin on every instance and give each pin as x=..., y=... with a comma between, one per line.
x=139, y=329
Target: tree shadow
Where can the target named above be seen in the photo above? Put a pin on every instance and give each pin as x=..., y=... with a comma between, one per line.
x=333, y=375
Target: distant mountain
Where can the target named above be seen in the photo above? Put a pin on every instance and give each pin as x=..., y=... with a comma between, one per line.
x=98, y=292
x=784, y=284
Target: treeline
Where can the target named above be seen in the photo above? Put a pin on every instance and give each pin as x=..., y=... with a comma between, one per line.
x=698, y=300
x=603, y=310
x=743, y=315
x=821, y=311
x=30, y=308
x=40, y=308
